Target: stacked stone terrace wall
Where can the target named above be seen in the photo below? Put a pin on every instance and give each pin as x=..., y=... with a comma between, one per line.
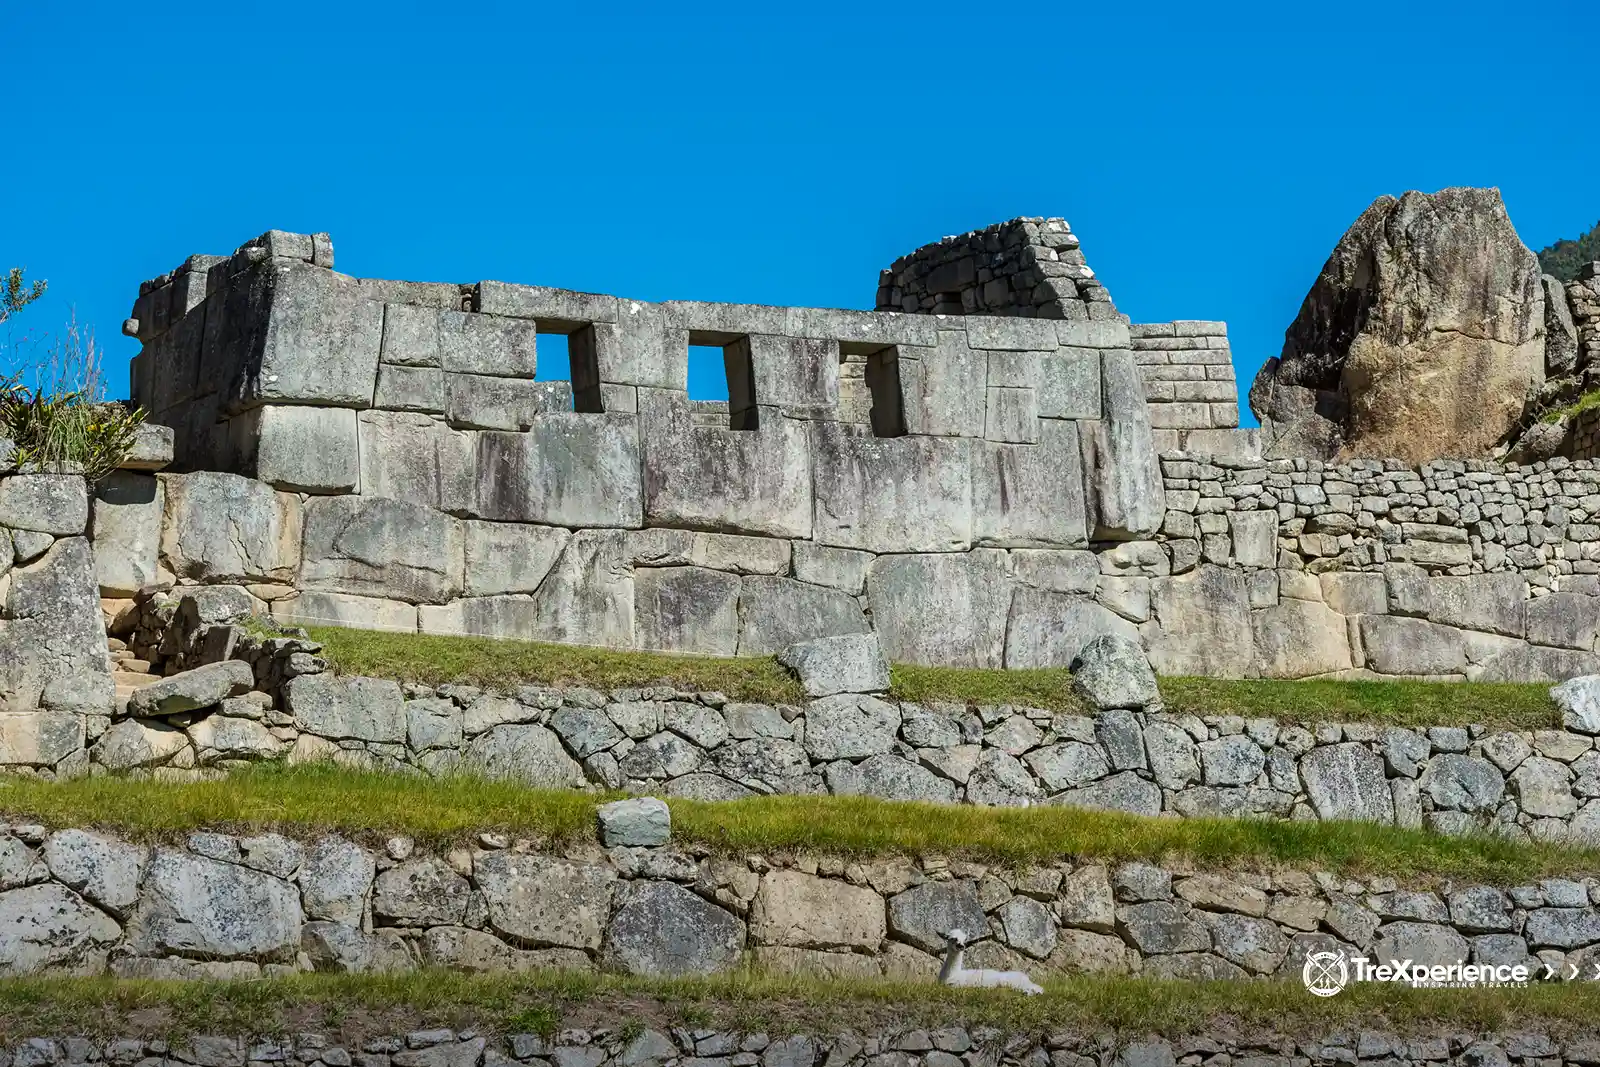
x=237, y=697
x=872, y=1046
x=241, y=907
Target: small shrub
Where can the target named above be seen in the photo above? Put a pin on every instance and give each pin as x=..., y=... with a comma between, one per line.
x=54, y=411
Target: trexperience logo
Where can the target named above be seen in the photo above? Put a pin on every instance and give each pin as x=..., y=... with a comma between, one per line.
x=1327, y=973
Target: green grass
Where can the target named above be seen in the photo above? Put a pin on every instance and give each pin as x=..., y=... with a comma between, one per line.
x=1503, y=705
x=351, y=1008
x=1584, y=403
x=305, y=800
x=435, y=659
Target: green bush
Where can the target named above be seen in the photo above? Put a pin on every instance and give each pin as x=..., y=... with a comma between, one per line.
x=52, y=404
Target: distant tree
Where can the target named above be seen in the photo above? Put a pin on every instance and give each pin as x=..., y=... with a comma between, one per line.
x=17, y=293
x=1563, y=258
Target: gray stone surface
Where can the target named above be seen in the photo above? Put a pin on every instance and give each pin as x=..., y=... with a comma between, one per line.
x=1111, y=671
x=642, y=822
x=191, y=690
x=191, y=905
x=847, y=663
x=663, y=930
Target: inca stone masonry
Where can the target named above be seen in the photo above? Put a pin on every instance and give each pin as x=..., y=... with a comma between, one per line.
x=989, y=476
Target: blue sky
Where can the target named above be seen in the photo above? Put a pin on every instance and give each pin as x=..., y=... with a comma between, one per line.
x=1208, y=156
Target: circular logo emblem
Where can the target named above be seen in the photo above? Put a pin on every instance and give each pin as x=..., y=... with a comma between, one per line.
x=1325, y=973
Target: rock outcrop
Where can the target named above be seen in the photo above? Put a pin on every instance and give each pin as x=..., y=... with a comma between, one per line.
x=1423, y=337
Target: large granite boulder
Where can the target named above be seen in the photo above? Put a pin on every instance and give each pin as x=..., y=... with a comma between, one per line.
x=1422, y=337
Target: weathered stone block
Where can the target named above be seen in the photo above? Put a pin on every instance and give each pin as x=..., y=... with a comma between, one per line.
x=1255, y=538
x=56, y=504
x=53, y=629
x=1205, y=624
x=339, y=708
x=1493, y=603
x=1300, y=638
x=410, y=336
x=663, y=930
x=1128, y=497
x=568, y=470
x=943, y=388
x=193, y=906
x=905, y=494
x=384, y=548
x=947, y=609
x=320, y=345
x=1346, y=781
x=803, y=911
x=1564, y=620
x=740, y=481
x=1030, y=495
x=474, y=343
x=417, y=458
x=126, y=532
x=565, y=306
x=409, y=388
x=1047, y=629
x=259, y=542
x=484, y=402
x=502, y=557
x=313, y=607
x=544, y=902
x=775, y=613
x=299, y=448
x=1069, y=384
x=849, y=663
x=643, y=352
x=686, y=609
x=1400, y=645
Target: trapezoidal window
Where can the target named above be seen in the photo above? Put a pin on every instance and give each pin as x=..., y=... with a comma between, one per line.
x=722, y=380
x=568, y=352
x=869, y=388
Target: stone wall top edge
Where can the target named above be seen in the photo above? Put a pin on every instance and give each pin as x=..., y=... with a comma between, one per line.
x=1447, y=465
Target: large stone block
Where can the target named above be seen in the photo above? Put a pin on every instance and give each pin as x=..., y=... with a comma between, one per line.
x=803, y=911
x=942, y=608
x=474, y=343
x=775, y=613
x=199, y=907
x=740, y=481
x=903, y=494
x=643, y=352
x=790, y=372
x=1493, y=603
x=1399, y=645
x=544, y=902
x=1069, y=384
x=298, y=448
x=1255, y=538
x=1346, y=781
x=51, y=628
x=320, y=343
x=314, y=607
x=1205, y=626
x=409, y=388
x=664, y=930
x=35, y=738
x=944, y=388
x=1126, y=495
x=383, y=548
x=1030, y=495
x=484, y=402
x=686, y=609
x=410, y=336
x=258, y=541
x=1048, y=629
x=507, y=557
x=1564, y=620
x=56, y=504
x=1300, y=638
x=339, y=708
x=417, y=458
x=567, y=470
x=48, y=927
x=126, y=531
x=563, y=306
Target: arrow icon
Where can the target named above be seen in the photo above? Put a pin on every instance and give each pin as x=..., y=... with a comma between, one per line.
x=1549, y=972
x=1574, y=973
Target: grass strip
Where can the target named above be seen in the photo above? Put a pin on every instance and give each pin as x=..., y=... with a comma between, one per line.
x=308, y=799
x=349, y=1008
x=433, y=659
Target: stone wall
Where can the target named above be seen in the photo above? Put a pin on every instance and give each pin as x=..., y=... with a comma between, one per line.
x=901, y=1046
x=52, y=644
x=239, y=696
x=1188, y=380
x=1462, y=570
x=1027, y=267
x=388, y=460
x=1583, y=298
x=225, y=906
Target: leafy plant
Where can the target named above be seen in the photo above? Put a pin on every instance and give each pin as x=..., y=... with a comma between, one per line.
x=54, y=409
x=1564, y=258
x=17, y=294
